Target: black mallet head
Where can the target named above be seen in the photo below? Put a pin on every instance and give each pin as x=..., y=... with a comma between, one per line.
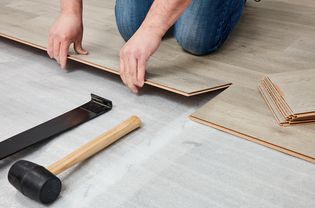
x=34, y=181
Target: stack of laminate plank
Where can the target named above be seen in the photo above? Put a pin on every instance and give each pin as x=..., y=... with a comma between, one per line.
x=290, y=96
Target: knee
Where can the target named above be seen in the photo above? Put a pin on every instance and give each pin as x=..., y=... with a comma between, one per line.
x=125, y=25
x=203, y=28
x=130, y=15
x=197, y=44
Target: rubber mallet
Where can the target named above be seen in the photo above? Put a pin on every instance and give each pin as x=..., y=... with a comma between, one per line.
x=41, y=184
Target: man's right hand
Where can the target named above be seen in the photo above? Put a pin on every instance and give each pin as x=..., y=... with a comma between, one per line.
x=67, y=29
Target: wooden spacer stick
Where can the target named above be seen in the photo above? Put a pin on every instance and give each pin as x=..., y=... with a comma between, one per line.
x=96, y=145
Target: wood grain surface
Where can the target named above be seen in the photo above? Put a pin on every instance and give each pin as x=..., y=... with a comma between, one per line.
x=298, y=89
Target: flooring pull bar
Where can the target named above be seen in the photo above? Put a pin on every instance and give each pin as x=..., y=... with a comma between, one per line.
x=95, y=107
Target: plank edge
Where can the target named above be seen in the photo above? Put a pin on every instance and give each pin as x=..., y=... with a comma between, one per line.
x=148, y=82
x=253, y=139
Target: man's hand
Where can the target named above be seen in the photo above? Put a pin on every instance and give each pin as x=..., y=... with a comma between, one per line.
x=67, y=29
x=135, y=55
x=137, y=51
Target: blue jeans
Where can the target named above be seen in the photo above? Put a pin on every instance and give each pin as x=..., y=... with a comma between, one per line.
x=200, y=30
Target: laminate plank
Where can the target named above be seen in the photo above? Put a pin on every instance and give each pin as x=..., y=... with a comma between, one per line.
x=290, y=96
x=272, y=106
x=243, y=112
x=29, y=23
x=297, y=88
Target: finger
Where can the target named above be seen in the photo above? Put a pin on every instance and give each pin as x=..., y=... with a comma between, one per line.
x=125, y=75
x=50, y=47
x=78, y=48
x=141, y=72
x=134, y=88
x=122, y=70
x=130, y=67
x=64, y=47
x=132, y=70
x=56, y=50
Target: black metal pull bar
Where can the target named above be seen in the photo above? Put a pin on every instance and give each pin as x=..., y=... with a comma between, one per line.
x=97, y=106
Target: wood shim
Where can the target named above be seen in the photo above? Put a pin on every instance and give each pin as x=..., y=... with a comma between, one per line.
x=284, y=46
x=170, y=68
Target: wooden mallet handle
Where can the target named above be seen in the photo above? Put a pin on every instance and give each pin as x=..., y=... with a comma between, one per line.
x=96, y=145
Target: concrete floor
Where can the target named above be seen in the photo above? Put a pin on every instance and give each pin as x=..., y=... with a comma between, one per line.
x=169, y=162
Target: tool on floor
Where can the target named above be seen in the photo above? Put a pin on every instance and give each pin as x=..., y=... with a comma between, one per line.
x=96, y=107
x=41, y=184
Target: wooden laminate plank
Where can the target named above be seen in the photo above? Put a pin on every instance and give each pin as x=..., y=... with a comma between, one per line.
x=290, y=96
x=272, y=106
x=243, y=112
x=281, y=119
x=297, y=89
x=29, y=22
x=278, y=102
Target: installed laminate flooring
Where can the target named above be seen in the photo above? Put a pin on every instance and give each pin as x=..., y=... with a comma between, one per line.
x=283, y=32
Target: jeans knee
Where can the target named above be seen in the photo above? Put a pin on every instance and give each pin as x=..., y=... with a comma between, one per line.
x=205, y=25
x=130, y=15
x=123, y=21
x=197, y=45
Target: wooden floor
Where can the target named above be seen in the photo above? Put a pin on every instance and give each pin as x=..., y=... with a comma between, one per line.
x=283, y=32
x=273, y=36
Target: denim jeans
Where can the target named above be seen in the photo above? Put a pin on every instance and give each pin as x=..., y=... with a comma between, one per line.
x=200, y=30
